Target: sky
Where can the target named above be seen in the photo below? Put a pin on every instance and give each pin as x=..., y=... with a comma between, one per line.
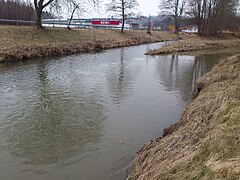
x=146, y=7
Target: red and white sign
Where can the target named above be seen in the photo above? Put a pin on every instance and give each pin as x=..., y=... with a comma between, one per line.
x=105, y=22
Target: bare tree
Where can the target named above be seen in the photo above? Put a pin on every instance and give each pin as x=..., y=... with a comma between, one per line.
x=72, y=6
x=149, y=25
x=39, y=6
x=175, y=9
x=78, y=6
x=122, y=8
x=211, y=16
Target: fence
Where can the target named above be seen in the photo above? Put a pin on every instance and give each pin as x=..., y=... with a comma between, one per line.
x=61, y=23
x=16, y=22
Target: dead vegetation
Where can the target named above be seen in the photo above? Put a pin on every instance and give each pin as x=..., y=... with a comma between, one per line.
x=193, y=42
x=26, y=42
x=205, y=143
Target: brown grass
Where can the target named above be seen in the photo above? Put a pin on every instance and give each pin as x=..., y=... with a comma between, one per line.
x=25, y=42
x=205, y=143
x=193, y=42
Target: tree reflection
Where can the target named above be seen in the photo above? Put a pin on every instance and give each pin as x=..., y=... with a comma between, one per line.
x=120, y=78
x=178, y=72
x=57, y=124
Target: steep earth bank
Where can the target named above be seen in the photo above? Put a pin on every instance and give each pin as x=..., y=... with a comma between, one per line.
x=205, y=143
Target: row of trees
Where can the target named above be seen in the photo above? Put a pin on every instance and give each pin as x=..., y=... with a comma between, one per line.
x=19, y=10
x=16, y=9
x=210, y=16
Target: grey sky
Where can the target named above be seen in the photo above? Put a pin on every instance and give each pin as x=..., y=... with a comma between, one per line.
x=146, y=7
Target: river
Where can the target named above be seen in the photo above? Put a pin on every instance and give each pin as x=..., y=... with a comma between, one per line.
x=85, y=116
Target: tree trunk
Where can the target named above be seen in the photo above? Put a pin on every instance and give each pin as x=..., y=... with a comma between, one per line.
x=199, y=28
x=70, y=20
x=123, y=16
x=149, y=25
x=176, y=26
x=39, y=18
x=123, y=23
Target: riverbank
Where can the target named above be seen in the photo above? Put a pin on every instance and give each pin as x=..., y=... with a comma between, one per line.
x=26, y=42
x=205, y=143
x=193, y=42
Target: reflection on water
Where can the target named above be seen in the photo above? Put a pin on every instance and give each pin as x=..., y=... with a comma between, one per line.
x=120, y=77
x=178, y=72
x=85, y=116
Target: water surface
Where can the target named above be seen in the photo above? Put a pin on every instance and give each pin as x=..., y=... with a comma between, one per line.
x=85, y=116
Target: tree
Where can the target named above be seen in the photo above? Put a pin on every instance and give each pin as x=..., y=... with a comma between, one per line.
x=58, y=5
x=149, y=25
x=175, y=9
x=39, y=6
x=211, y=16
x=75, y=6
x=122, y=8
x=78, y=6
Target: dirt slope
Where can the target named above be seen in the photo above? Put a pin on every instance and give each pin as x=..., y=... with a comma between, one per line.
x=205, y=143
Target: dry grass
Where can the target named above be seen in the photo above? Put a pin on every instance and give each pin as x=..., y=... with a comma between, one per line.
x=205, y=143
x=25, y=42
x=192, y=42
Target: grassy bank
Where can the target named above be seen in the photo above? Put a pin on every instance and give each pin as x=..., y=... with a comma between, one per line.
x=193, y=42
x=205, y=143
x=26, y=42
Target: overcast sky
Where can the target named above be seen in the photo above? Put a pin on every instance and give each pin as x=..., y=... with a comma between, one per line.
x=146, y=7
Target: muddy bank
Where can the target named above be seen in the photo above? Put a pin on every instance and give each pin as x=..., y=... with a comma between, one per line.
x=205, y=143
x=19, y=43
x=192, y=42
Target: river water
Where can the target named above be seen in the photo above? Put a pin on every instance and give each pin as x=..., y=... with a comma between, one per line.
x=85, y=116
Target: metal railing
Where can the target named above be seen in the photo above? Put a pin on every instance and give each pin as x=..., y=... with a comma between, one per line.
x=57, y=23
x=16, y=22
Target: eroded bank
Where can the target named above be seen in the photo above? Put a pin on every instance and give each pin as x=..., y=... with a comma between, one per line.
x=205, y=143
